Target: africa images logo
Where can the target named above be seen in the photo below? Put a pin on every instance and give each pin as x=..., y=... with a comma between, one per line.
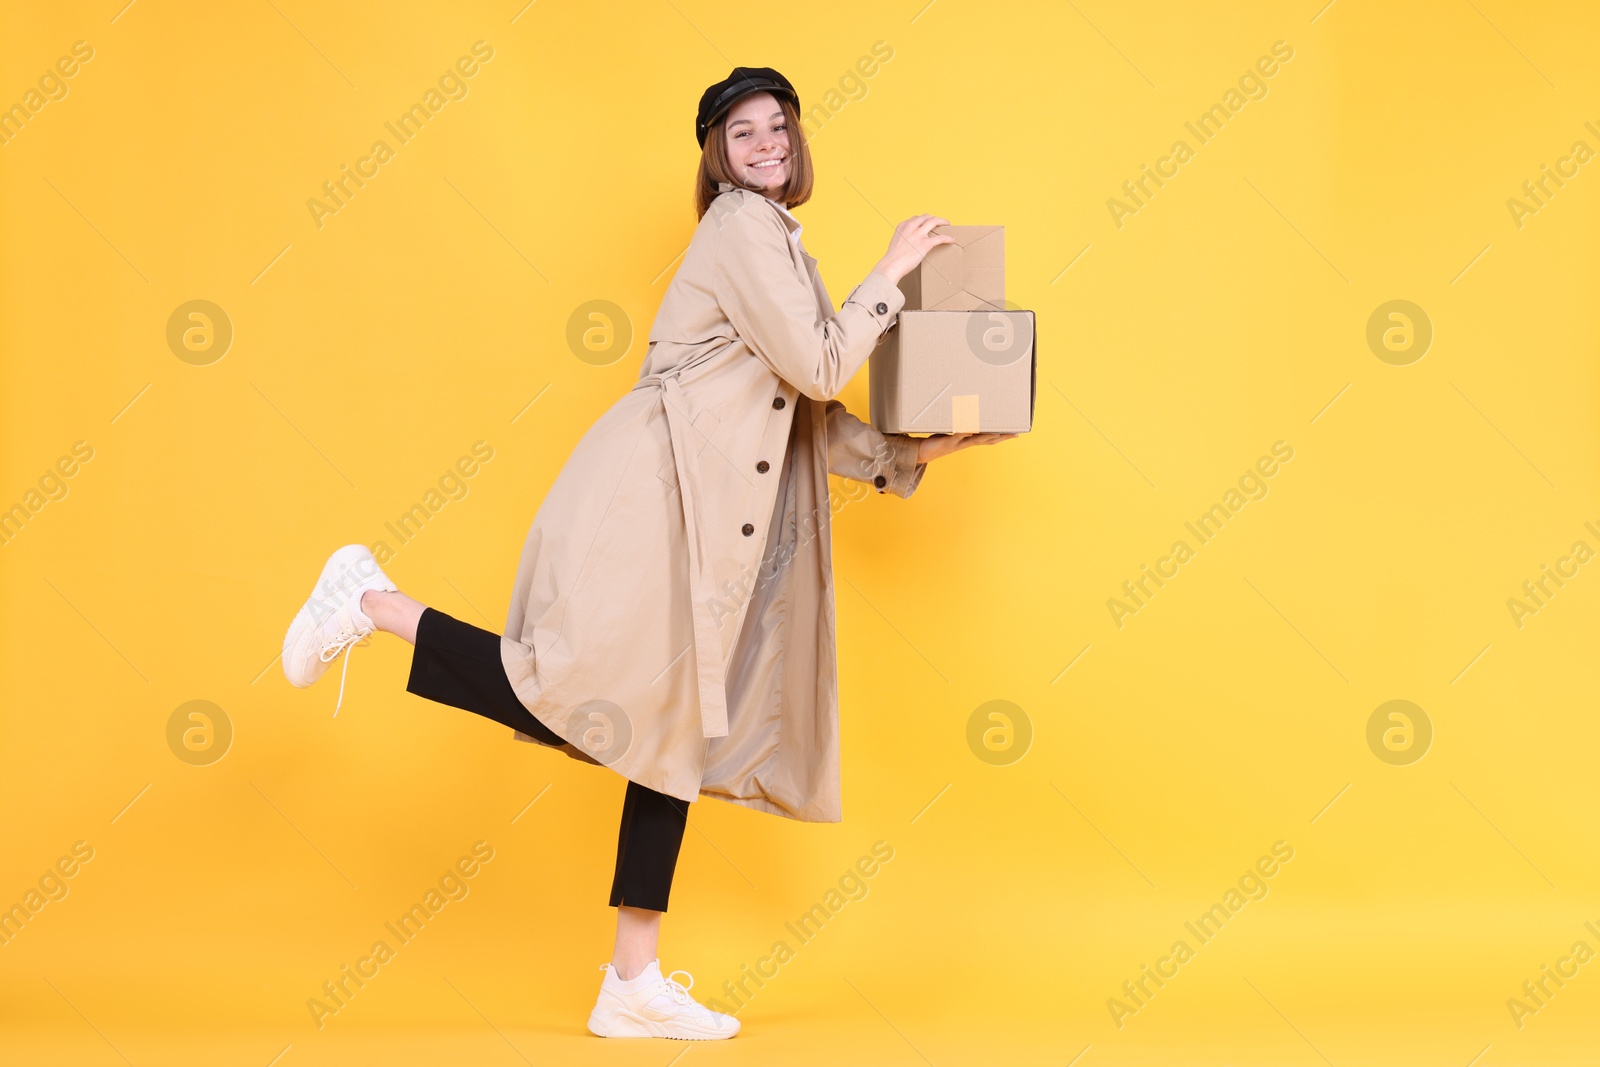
x=452, y=85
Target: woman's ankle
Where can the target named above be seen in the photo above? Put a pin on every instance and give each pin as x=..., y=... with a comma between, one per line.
x=628, y=970
x=392, y=612
x=638, y=934
x=372, y=606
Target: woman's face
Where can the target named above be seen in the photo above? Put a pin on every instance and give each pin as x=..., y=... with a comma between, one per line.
x=758, y=143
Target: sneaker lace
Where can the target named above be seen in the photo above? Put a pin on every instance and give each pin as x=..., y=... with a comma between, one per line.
x=344, y=640
x=680, y=993
x=677, y=991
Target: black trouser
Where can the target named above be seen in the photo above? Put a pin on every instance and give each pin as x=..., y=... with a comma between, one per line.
x=459, y=664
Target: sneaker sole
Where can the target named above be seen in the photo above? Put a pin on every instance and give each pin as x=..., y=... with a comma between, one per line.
x=626, y=1024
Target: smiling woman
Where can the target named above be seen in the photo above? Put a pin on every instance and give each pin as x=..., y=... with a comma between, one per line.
x=745, y=157
x=616, y=648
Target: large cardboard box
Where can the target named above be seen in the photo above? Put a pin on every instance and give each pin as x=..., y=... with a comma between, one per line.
x=957, y=360
x=955, y=372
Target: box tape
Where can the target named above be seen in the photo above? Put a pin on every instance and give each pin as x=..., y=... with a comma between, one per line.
x=964, y=413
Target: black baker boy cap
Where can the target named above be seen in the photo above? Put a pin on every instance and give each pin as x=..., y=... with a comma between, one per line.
x=716, y=100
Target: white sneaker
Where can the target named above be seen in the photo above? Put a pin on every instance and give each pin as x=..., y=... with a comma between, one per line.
x=331, y=619
x=653, y=1006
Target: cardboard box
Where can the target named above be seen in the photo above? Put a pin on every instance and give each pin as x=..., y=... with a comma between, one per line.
x=967, y=275
x=956, y=360
x=955, y=372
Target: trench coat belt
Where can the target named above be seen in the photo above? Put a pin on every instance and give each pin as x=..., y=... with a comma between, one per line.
x=702, y=589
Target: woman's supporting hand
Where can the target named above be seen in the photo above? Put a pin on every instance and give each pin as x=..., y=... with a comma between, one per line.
x=943, y=444
x=913, y=239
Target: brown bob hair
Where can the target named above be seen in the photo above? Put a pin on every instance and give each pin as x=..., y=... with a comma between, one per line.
x=714, y=165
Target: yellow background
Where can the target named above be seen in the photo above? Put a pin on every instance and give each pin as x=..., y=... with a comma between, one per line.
x=1226, y=715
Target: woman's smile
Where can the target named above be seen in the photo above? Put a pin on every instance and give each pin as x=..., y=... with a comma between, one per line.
x=770, y=172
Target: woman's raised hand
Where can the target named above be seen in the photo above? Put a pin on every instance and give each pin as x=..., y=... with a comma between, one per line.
x=913, y=239
x=944, y=444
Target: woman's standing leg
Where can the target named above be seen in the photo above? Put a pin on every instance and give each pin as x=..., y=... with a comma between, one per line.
x=636, y=999
x=648, y=842
x=638, y=940
x=458, y=664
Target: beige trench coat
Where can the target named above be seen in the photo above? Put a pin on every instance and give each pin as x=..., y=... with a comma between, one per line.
x=672, y=616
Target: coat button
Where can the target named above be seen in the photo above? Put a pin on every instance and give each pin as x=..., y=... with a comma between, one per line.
x=762, y=467
x=883, y=309
x=777, y=403
x=747, y=529
x=880, y=481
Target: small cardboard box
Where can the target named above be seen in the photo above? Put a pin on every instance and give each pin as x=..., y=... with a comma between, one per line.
x=955, y=372
x=966, y=275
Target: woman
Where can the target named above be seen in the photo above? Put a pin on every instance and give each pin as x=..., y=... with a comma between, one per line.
x=650, y=631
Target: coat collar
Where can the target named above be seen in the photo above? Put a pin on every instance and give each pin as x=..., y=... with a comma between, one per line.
x=790, y=223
